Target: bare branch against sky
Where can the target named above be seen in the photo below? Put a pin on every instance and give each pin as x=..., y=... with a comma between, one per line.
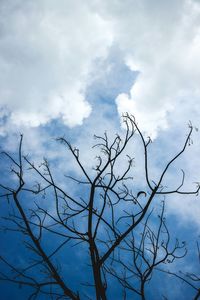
x=116, y=216
x=103, y=217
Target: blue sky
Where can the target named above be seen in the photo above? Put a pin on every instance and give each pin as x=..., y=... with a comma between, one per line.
x=71, y=68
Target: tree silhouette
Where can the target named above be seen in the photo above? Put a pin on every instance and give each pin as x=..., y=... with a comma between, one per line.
x=126, y=240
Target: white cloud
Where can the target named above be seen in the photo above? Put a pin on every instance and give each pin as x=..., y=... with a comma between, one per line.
x=161, y=40
x=47, y=50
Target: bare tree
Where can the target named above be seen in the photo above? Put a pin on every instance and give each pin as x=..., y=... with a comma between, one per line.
x=191, y=278
x=145, y=255
x=104, y=214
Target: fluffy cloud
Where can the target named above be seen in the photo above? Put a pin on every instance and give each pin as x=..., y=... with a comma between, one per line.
x=53, y=54
x=50, y=49
x=47, y=50
x=162, y=41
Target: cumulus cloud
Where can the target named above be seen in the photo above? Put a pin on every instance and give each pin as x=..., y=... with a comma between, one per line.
x=161, y=40
x=50, y=49
x=54, y=53
x=47, y=50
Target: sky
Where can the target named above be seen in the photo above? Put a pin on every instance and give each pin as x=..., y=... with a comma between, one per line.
x=73, y=68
